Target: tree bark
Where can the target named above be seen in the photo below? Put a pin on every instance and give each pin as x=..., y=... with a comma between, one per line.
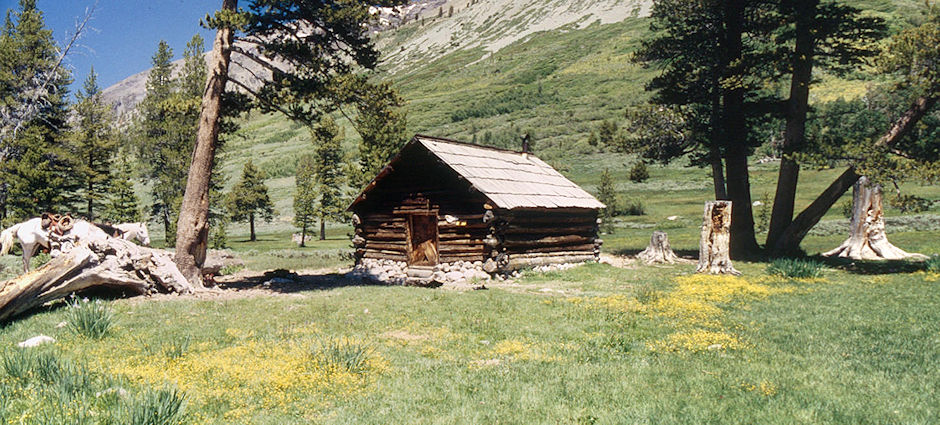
x=789, y=241
x=714, y=247
x=867, y=237
x=797, y=107
x=322, y=229
x=303, y=235
x=743, y=239
x=192, y=231
x=658, y=250
x=251, y=226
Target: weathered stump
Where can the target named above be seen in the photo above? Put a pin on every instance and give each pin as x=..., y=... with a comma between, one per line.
x=867, y=237
x=658, y=250
x=714, y=248
x=103, y=262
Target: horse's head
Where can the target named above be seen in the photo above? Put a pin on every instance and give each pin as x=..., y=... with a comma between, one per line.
x=143, y=235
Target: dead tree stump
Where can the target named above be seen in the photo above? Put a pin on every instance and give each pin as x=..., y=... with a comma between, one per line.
x=658, y=250
x=714, y=248
x=867, y=237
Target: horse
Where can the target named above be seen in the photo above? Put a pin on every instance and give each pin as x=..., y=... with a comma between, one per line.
x=131, y=231
x=31, y=233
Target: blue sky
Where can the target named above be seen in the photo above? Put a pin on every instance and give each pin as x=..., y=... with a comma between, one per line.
x=124, y=33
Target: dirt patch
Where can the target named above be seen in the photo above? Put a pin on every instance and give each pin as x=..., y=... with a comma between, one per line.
x=404, y=335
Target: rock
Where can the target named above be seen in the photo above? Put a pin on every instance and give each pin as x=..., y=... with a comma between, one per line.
x=489, y=266
x=672, y=218
x=477, y=264
x=61, y=325
x=454, y=276
x=714, y=347
x=438, y=276
x=36, y=341
x=120, y=392
x=383, y=277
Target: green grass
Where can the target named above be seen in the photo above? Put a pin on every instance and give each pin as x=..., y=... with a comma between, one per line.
x=594, y=344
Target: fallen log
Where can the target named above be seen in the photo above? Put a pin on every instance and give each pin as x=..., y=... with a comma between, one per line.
x=97, y=262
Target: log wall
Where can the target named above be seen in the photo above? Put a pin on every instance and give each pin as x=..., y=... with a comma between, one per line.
x=531, y=237
x=468, y=228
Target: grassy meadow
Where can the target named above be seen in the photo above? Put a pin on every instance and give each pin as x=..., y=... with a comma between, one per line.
x=593, y=344
x=849, y=343
x=596, y=344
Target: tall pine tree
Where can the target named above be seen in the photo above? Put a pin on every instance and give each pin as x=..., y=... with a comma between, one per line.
x=169, y=118
x=328, y=167
x=122, y=205
x=38, y=171
x=305, y=196
x=94, y=144
x=249, y=198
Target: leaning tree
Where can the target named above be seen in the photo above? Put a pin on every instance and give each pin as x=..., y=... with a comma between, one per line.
x=904, y=147
x=295, y=52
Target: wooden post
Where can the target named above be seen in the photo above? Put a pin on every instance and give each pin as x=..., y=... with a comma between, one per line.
x=867, y=237
x=658, y=250
x=714, y=248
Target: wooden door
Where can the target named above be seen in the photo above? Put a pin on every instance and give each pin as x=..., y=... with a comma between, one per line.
x=422, y=232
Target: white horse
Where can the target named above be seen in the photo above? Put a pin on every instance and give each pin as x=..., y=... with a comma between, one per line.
x=31, y=234
x=131, y=231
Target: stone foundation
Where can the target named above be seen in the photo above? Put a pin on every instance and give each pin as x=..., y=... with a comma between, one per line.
x=396, y=272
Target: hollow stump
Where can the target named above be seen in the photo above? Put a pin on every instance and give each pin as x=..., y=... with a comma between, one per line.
x=714, y=248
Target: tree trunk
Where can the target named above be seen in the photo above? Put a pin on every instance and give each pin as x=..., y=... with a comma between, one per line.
x=743, y=239
x=322, y=229
x=867, y=237
x=789, y=241
x=797, y=230
x=192, y=231
x=303, y=234
x=797, y=107
x=714, y=255
x=251, y=226
x=718, y=175
x=658, y=250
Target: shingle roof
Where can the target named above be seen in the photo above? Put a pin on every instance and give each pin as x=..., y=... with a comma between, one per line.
x=509, y=179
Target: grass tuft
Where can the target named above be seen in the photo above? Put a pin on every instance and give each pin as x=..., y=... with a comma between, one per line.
x=342, y=354
x=795, y=268
x=933, y=264
x=165, y=406
x=89, y=319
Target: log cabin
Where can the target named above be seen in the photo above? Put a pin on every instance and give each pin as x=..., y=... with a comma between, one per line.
x=443, y=201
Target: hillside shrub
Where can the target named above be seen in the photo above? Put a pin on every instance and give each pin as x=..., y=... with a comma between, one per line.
x=933, y=264
x=911, y=203
x=795, y=268
x=633, y=207
x=639, y=173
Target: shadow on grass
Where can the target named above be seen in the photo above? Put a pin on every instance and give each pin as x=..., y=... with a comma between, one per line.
x=286, y=282
x=872, y=267
x=689, y=254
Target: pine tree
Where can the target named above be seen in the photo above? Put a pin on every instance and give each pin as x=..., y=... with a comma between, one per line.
x=122, y=205
x=328, y=161
x=94, y=143
x=305, y=196
x=607, y=195
x=381, y=123
x=170, y=117
x=38, y=172
x=249, y=198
